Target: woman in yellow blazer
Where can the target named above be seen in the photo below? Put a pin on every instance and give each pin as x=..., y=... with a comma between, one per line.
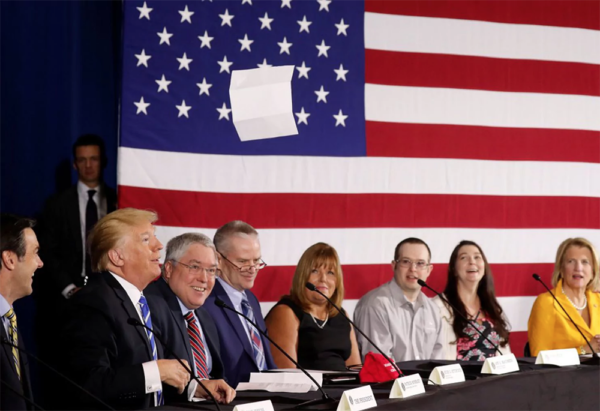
x=575, y=277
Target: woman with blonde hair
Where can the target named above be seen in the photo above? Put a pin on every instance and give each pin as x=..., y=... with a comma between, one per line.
x=305, y=325
x=574, y=279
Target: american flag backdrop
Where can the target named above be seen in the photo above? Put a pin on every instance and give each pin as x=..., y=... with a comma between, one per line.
x=444, y=120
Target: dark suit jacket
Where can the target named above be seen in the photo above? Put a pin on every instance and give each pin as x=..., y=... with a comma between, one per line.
x=60, y=239
x=8, y=374
x=168, y=322
x=236, y=350
x=101, y=351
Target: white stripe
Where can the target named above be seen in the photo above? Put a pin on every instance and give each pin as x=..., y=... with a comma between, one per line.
x=256, y=174
x=283, y=247
x=424, y=105
x=517, y=309
x=479, y=38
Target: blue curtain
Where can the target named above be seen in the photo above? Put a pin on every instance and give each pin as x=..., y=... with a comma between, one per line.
x=60, y=78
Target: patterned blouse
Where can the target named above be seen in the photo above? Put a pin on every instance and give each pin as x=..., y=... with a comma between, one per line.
x=476, y=347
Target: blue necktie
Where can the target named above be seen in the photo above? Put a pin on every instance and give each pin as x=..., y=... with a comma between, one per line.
x=150, y=334
x=257, y=346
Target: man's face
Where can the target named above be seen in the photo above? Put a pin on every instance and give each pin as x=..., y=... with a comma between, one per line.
x=140, y=255
x=26, y=265
x=188, y=278
x=88, y=164
x=412, y=264
x=243, y=252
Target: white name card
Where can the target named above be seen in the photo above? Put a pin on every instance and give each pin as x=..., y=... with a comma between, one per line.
x=447, y=374
x=255, y=406
x=408, y=386
x=357, y=399
x=500, y=365
x=562, y=358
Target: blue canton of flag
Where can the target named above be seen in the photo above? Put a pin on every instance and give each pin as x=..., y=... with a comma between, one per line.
x=177, y=64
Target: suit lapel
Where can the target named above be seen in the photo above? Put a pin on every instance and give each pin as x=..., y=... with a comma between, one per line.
x=7, y=349
x=176, y=314
x=577, y=318
x=73, y=220
x=234, y=319
x=128, y=308
x=594, y=310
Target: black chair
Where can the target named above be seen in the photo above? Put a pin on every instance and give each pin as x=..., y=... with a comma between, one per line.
x=526, y=351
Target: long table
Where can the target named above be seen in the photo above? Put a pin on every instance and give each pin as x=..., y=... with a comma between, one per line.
x=533, y=388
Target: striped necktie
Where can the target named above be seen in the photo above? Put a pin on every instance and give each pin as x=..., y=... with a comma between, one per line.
x=257, y=346
x=197, y=345
x=11, y=316
x=148, y=322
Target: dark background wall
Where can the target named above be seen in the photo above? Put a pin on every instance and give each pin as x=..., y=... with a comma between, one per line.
x=59, y=78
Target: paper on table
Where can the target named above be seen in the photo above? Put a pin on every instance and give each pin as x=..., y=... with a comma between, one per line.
x=261, y=102
x=287, y=378
x=273, y=387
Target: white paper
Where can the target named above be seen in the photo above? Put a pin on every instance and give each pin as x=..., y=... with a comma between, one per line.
x=357, y=399
x=261, y=103
x=408, y=386
x=255, y=406
x=501, y=364
x=273, y=387
x=447, y=374
x=562, y=358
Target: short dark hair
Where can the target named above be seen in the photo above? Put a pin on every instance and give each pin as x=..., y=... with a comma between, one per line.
x=91, y=140
x=11, y=234
x=410, y=240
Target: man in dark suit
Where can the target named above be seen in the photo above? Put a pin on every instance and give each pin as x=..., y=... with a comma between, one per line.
x=18, y=261
x=188, y=276
x=69, y=216
x=119, y=363
x=243, y=349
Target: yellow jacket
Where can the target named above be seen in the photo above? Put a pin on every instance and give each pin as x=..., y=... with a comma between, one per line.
x=549, y=328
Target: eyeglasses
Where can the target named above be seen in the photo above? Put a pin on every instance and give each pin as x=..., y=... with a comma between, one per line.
x=246, y=268
x=407, y=262
x=196, y=269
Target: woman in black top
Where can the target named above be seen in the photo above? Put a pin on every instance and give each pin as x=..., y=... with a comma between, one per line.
x=305, y=325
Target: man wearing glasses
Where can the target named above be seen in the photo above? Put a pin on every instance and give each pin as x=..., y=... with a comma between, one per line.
x=397, y=316
x=176, y=300
x=243, y=349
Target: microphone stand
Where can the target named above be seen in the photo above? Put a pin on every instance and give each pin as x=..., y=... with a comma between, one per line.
x=595, y=360
x=326, y=398
x=312, y=287
x=54, y=370
x=424, y=284
x=18, y=394
x=138, y=323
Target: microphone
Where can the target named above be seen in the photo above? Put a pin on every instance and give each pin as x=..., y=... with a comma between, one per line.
x=18, y=394
x=424, y=284
x=326, y=398
x=312, y=287
x=537, y=278
x=137, y=323
x=54, y=370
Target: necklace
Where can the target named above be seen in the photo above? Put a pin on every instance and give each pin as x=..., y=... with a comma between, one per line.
x=321, y=326
x=580, y=308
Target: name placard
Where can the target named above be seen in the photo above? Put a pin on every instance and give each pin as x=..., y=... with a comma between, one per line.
x=500, y=365
x=255, y=406
x=408, y=386
x=447, y=374
x=562, y=358
x=357, y=399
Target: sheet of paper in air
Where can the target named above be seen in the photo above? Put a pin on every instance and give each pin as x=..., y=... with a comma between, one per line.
x=261, y=102
x=281, y=382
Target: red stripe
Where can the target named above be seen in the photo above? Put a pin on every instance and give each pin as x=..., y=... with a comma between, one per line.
x=482, y=143
x=211, y=210
x=509, y=279
x=565, y=13
x=517, y=342
x=480, y=73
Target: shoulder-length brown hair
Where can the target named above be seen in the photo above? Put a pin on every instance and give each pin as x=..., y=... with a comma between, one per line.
x=560, y=259
x=485, y=292
x=317, y=255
